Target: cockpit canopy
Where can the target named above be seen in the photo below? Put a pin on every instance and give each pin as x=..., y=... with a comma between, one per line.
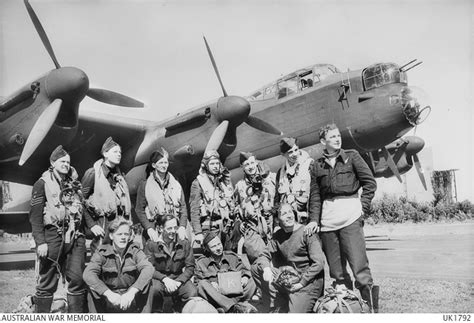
x=381, y=74
x=294, y=82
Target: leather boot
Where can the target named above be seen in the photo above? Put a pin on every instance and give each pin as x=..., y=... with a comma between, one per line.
x=375, y=298
x=370, y=294
x=76, y=303
x=43, y=304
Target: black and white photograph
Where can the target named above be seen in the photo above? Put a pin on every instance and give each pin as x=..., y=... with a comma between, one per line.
x=223, y=157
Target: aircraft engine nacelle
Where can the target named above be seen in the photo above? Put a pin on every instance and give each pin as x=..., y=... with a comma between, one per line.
x=403, y=164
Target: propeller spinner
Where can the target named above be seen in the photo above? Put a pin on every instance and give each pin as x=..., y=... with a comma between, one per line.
x=64, y=84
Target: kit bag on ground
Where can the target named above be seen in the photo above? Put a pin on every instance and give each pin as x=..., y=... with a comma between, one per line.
x=340, y=301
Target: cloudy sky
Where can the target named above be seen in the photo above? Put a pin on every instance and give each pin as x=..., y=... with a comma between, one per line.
x=153, y=51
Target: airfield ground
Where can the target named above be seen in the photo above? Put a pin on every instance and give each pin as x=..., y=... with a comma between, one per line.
x=421, y=268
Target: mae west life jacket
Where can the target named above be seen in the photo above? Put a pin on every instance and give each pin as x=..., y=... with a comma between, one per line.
x=162, y=201
x=106, y=200
x=295, y=181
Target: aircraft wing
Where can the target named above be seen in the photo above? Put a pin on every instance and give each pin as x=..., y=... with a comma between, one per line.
x=95, y=128
x=15, y=222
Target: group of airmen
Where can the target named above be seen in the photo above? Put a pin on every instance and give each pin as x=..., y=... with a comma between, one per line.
x=285, y=224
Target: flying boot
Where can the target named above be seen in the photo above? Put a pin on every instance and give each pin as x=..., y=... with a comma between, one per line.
x=76, y=303
x=370, y=294
x=43, y=304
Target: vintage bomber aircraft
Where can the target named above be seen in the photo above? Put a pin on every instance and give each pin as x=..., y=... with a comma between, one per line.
x=374, y=107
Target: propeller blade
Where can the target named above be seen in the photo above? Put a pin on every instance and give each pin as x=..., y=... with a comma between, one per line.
x=391, y=164
x=215, y=66
x=40, y=130
x=217, y=136
x=261, y=125
x=41, y=33
x=419, y=170
x=114, y=98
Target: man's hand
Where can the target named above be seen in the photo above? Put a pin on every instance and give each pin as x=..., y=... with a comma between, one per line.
x=244, y=280
x=98, y=231
x=296, y=287
x=127, y=298
x=267, y=274
x=42, y=250
x=311, y=228
x=199, y=238
x=215, y=285
x=171, y=285
x=181, y=233
x=152, y=234
x=113, y=298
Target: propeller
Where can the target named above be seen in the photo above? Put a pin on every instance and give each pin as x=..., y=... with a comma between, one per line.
x=217, y=136
x=40, y=130
x=419, y=170
x=391, y=163
x=101, y=95
x=233, y=110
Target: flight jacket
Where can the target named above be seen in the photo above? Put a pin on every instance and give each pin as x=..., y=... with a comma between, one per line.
x=349, y=174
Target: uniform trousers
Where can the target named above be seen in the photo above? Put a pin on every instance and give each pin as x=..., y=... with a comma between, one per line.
x=179, y=297
x=69, y=257
x=100, y=303
x=274, y=296
x=213, y=296
x=347, y=245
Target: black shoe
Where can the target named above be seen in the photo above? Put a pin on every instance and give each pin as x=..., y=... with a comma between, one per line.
x=43, y=304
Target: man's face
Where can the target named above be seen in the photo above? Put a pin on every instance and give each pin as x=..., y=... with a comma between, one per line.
x=214, y=166
x=292, y=154
x=250, y=166
x=121, y=237
x=169, y=230
x=215, y=247
x=62, y=165
x=161, y=165
x=333, y=140
x=286, y=216
x=113, y=155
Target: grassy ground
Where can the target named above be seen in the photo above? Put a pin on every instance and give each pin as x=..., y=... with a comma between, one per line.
x=396, y=295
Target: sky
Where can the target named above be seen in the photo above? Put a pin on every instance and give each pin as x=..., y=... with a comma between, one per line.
x=154, y=51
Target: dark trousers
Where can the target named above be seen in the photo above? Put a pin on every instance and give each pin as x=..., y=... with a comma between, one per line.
x=70, y=258
x=100, y=304
x=180, y=296
x=301, y=301
x=213, y=296
x=347, y=245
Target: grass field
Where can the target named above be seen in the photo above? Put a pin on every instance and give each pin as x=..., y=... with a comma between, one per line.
x=396, y=295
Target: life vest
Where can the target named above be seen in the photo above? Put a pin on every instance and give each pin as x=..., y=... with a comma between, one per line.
x=295, y=181
x=265, y=198
x=217, y=197
x=54, y=210
x=162, y=201
x=106, y=200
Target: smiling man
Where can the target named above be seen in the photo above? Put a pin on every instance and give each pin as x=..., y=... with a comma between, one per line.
x=291, y=252
x=56, y=221
x=335, y=205
x=174, y=264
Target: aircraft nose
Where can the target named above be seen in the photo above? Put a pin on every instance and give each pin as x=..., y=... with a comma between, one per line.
x=415, y=145
x=67, y=83
x=414, y=105
x=234, y=109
